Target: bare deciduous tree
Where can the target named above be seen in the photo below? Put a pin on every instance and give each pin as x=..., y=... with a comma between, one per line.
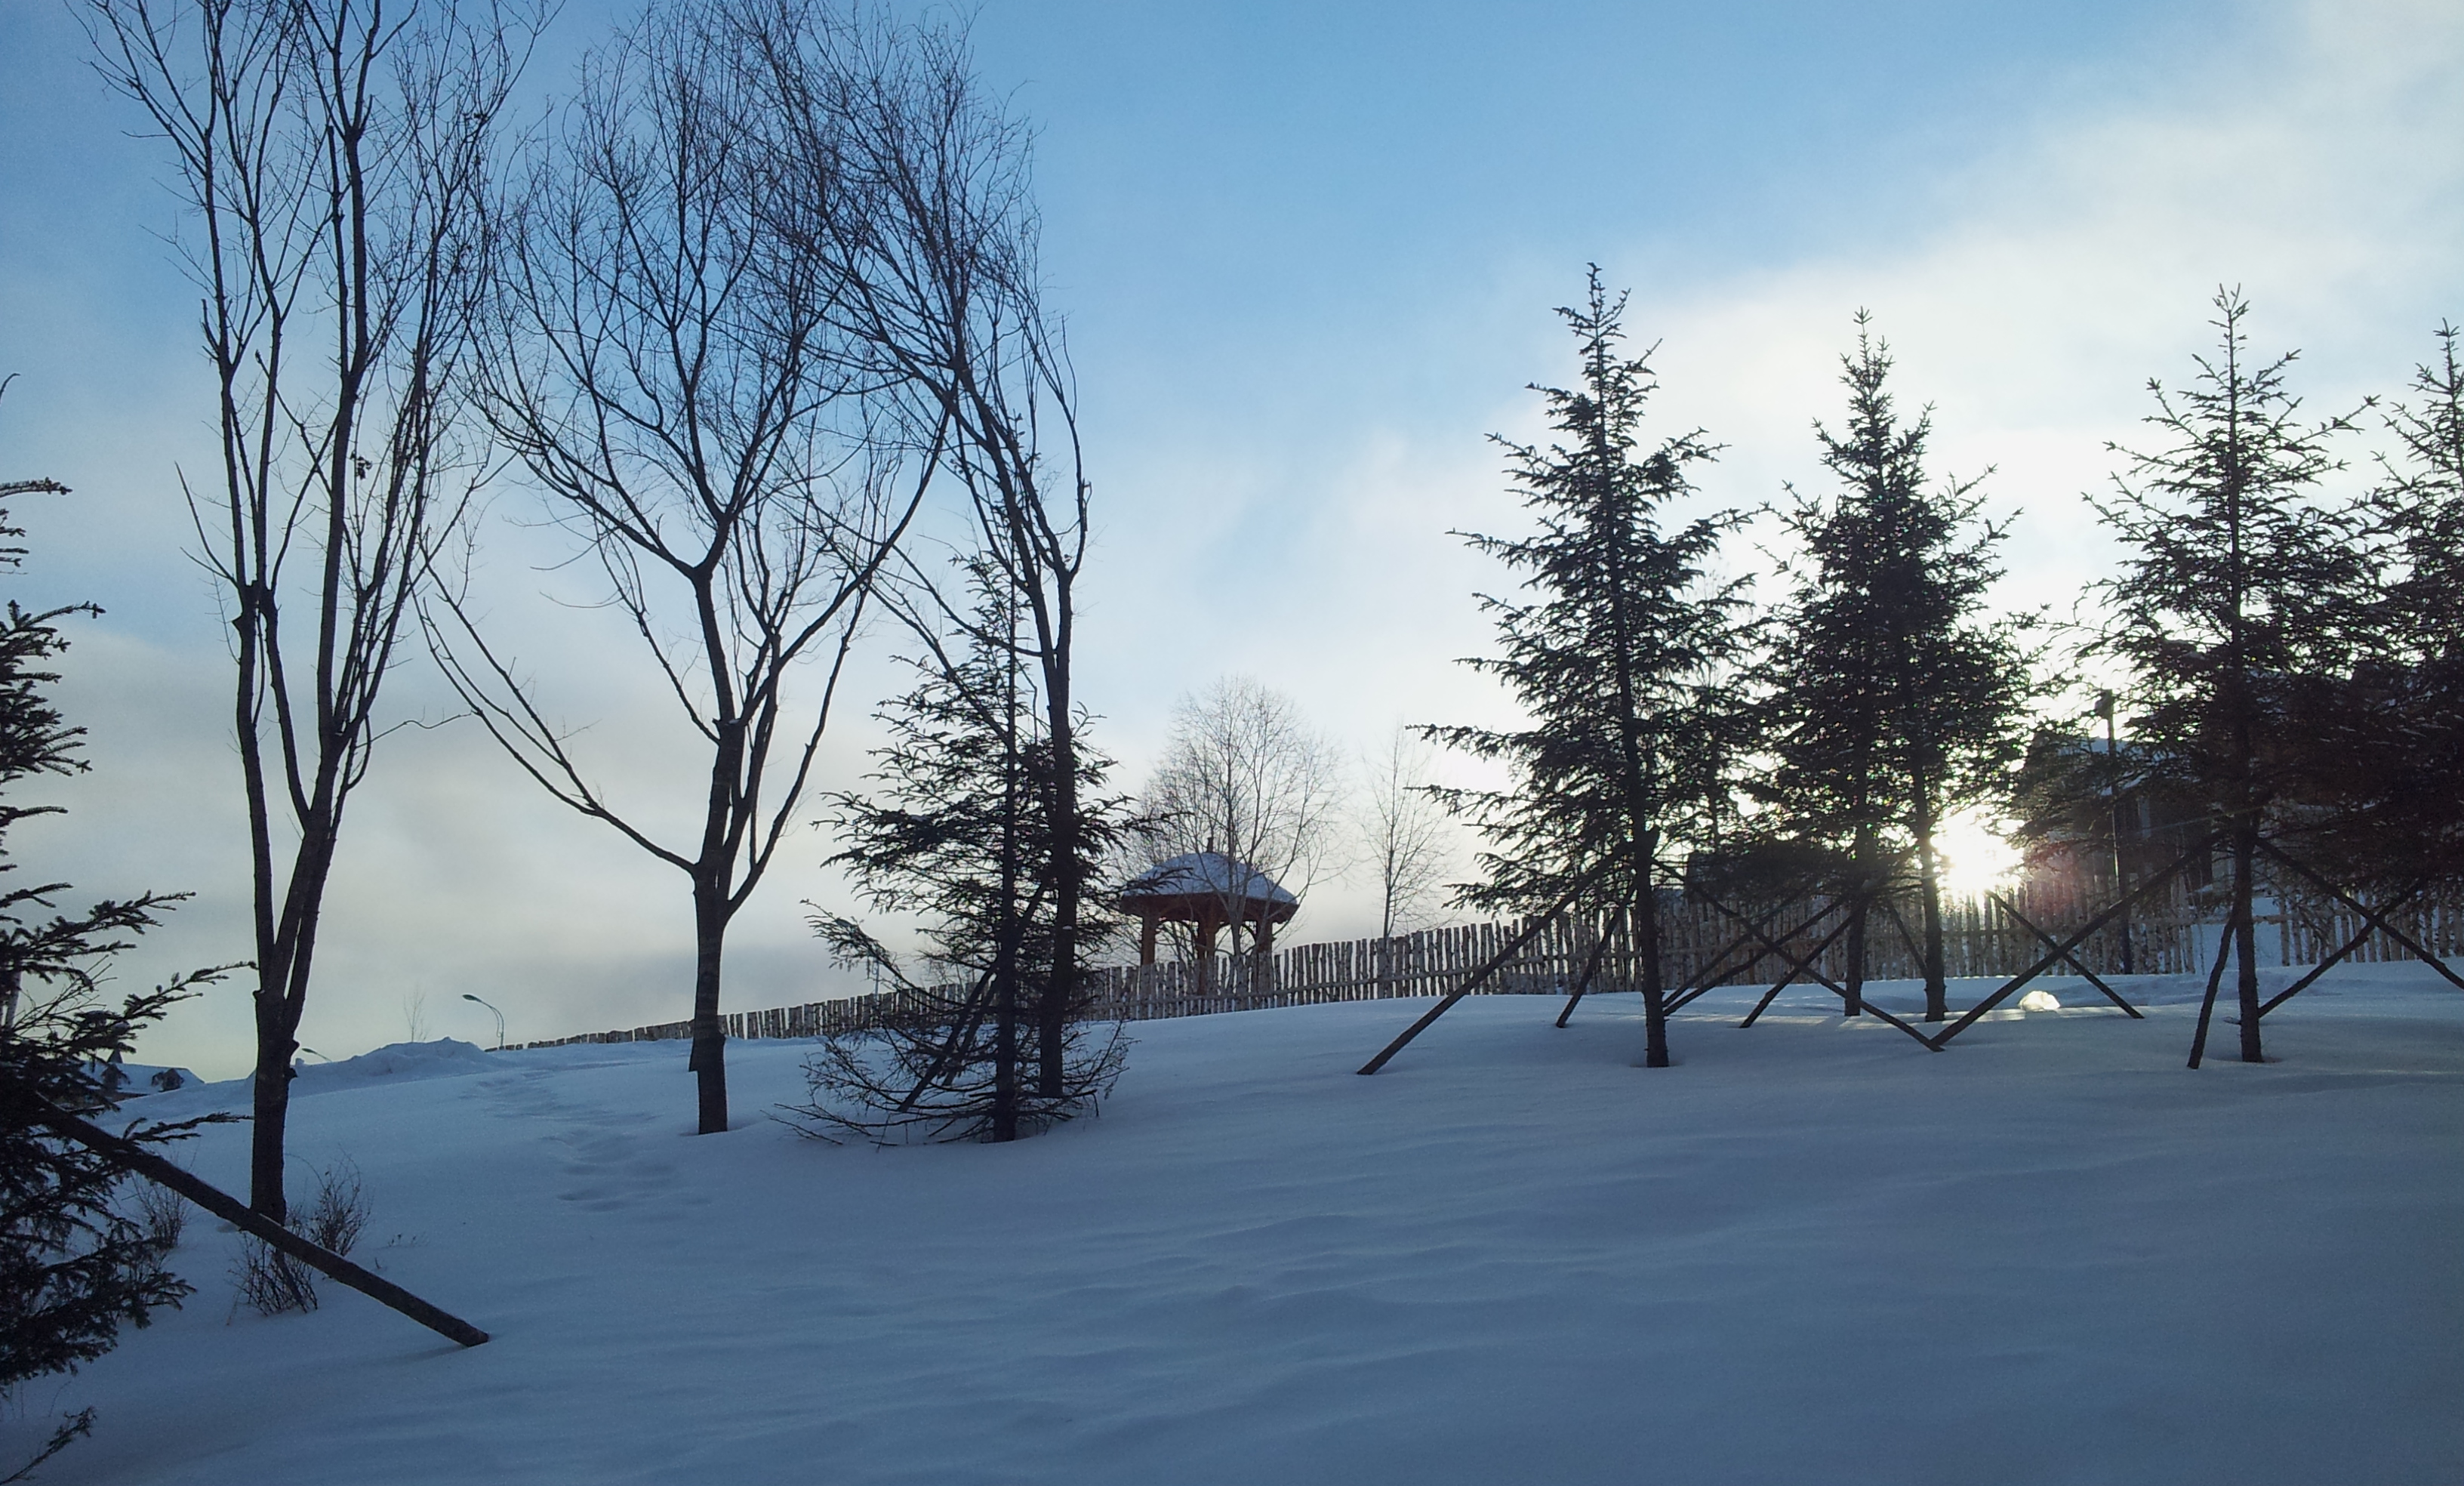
x=1246, y=776
x=1404, y=831
x=334, y=154
x=667, y=371
x=900, y=169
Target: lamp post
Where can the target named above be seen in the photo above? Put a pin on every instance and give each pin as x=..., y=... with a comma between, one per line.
x=500, y=1020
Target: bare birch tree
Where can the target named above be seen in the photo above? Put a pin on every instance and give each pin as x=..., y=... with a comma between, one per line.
x=1404, y=831
x=897, y=165
x=332, y=155
x=667, y=371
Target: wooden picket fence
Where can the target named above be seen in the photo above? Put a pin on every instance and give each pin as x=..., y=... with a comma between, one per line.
x=1980, y=937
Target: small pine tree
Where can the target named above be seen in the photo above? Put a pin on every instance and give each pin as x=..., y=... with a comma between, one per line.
x=73, y=1266
x=2242, y=587
x=1896, y=701
x=961, y=831
x=1620, y=660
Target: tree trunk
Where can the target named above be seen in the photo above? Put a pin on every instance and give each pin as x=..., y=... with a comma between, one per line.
x=1855, y=983
x=284, y=956
x=1937, y=989
x=1005, y=1069
x=270, y=1107
x=2234, y=694
x=1937, y=985
x=709, y=1060
x=1053, y=1019
x=2245, y=854
x=1647, y=952
x=1007, y=952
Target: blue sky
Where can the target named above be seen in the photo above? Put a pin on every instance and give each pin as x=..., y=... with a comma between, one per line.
x=1308, y=256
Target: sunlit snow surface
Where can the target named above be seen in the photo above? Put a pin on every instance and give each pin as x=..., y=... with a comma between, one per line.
x=1811, y=1253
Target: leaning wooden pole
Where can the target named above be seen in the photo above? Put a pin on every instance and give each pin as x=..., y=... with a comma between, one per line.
x=2372, y=922
x=2062, y=950
x=1805, y=967
x=1471, y=983
x=2069, y=956
x=1583, y=983
x=2419, y=951
x=1719, y=969
x=1803, y=964
x=2215, y=978
x=230, y=1210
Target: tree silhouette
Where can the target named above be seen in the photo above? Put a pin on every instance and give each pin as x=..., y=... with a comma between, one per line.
x=1896, y=701
x=2240, y=590
x=1622, y=658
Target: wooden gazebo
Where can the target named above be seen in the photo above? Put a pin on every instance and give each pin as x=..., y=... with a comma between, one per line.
x=1209, y=891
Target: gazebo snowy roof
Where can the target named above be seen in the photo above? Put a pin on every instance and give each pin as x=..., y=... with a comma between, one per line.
x=1210, y=891
x=1212, y=881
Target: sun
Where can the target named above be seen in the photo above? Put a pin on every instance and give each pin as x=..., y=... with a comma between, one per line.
x=1975, y=858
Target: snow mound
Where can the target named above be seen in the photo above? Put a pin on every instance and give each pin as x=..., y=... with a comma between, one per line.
x=396, y=1062
x=2040, y=1001
x=399, y=1062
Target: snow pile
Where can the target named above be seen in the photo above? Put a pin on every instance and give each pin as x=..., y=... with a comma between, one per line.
x=398, y=1062
x=395, y=1062
x=1812, y=1252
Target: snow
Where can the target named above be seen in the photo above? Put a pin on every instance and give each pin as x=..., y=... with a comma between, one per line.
x=1210, y=873
x=399, y=1062
x=1812, y=1252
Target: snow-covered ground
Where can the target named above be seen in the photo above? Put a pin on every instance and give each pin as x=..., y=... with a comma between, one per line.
x=1811, y=1253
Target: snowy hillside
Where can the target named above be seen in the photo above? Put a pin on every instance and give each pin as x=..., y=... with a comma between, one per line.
x=1811, y=1253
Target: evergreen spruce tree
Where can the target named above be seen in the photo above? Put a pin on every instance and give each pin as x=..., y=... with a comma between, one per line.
x=2391, y=742
x=73, y=1265
x=2243, y=587
x=1896, y=701
x=1619, y=657
x=963, y=831
x=2422, y=503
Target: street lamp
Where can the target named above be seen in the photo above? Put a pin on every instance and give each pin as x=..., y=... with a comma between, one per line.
x=500, y=1020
